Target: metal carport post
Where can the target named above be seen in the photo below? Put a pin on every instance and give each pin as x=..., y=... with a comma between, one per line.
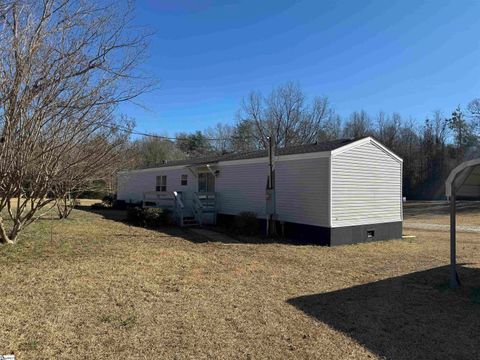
x=454, y=280
x=463, y=180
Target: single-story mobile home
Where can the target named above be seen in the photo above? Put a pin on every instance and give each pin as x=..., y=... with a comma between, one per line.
x=335, y=192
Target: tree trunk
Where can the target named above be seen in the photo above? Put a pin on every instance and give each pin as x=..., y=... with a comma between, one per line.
x=17, y=227
x=65, y=207
x=4, y=238
x=61, y=209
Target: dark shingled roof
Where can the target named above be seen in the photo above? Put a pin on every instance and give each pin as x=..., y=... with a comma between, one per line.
x=298, y=149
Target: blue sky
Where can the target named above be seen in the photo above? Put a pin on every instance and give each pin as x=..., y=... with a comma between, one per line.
x=412, y=57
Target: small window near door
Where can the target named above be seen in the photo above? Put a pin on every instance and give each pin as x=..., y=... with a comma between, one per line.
x=161, y=183
x=184, y=180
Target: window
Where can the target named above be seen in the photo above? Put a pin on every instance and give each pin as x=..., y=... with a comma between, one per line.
x=161, y=183
x=184, y=180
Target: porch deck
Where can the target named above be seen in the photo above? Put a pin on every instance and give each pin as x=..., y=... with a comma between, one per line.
x=202, y=210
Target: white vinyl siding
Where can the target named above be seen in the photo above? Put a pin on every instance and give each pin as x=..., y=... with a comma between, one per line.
x=366, y=186
x=242, y=188
x=132, y=185
x=358, y=184
x=302, y=191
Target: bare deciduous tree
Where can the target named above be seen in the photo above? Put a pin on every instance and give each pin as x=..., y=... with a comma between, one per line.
x=99, y=158
x=474, y=109
x=388, y=128
x=286, y=116
x=331, y=128
x=151, y=151
x=221, y=135
x=358, y=125
x=64, y=65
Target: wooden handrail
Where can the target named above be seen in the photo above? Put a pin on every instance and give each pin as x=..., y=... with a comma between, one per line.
x=197, y=208
x=178, y=207
x=178, y=199
x=197, y=201
x=204, y=203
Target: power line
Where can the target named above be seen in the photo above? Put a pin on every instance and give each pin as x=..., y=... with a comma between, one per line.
x=132, y=132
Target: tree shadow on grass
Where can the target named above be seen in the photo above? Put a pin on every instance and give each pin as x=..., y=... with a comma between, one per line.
x=415, y=316
x=121, y=216
x=107, y=213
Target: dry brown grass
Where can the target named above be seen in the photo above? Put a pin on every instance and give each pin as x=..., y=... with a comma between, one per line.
x=104, y=290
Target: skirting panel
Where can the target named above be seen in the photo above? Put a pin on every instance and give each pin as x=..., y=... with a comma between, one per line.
x=309, y=234
x=363, y=233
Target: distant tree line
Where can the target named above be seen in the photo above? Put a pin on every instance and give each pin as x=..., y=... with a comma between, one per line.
x=429, y=148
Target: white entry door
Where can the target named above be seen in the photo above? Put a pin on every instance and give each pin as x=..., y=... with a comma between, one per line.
x=206, y=182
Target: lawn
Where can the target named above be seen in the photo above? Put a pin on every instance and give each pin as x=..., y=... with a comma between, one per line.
x=95, y=288
x=438, y=212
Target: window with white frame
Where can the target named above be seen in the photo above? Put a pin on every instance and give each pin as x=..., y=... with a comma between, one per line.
x=161, y=183
x=184, y=180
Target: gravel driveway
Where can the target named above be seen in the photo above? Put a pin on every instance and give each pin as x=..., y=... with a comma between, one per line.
x=439, y=227
x=437, y=216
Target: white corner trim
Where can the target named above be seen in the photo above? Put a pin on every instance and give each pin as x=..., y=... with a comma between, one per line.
x=330, y=195
x=401, y=191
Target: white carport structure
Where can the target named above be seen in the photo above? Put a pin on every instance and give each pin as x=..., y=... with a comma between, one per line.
x=463, y=181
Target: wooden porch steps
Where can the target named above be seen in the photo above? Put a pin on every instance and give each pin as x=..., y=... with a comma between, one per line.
x=202, y=210
x=190, y=221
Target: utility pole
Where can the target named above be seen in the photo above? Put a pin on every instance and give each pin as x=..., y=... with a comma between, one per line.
x=271, y=201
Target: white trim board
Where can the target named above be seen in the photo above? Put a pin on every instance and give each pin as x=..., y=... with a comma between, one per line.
x=363, y=142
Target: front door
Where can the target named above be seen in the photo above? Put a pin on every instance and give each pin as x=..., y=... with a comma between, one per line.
x=206, y=182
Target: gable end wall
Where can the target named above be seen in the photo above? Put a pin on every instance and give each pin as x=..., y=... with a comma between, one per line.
x=366, y=186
